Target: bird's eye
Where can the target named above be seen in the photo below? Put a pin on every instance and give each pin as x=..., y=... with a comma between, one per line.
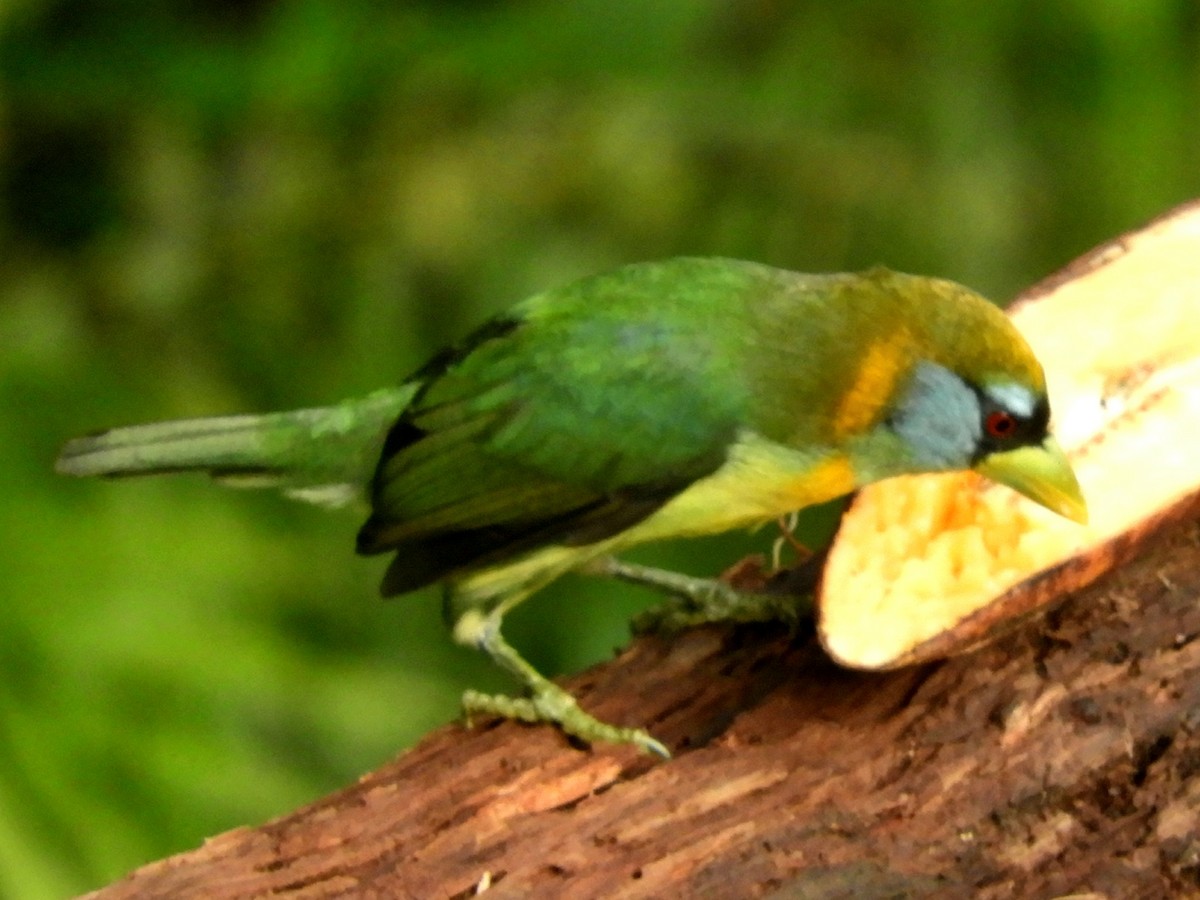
x=1000, y=424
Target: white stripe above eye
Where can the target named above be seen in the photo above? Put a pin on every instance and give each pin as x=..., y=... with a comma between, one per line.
x=1016, y=398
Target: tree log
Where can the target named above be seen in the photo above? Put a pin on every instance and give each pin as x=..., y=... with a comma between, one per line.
x=1063, y=759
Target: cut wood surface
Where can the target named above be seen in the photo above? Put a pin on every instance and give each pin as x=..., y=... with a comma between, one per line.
x=1063, y=759
x=947, y=558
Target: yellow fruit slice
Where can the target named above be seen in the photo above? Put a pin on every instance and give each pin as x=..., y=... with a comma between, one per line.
x=928, y=566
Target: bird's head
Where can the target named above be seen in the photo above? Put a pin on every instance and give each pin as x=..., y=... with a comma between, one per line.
x=973, y=396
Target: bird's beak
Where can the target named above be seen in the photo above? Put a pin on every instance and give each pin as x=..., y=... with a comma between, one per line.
x=1041, y=473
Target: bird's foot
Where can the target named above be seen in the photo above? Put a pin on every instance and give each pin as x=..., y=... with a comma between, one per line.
x=550, y=703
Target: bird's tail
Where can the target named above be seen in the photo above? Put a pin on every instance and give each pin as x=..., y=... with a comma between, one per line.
x=325, y=455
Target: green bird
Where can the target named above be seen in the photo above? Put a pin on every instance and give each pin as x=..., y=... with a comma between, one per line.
x=661, y=400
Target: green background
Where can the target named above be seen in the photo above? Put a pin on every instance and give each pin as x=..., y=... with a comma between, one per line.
x=212, y=207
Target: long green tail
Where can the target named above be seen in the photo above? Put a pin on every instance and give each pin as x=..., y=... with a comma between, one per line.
x=325, y=455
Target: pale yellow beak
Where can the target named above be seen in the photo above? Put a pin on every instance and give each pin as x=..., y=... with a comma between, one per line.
x=1043, y=474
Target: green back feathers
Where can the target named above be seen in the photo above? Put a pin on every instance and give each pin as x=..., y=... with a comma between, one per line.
x=568, y=421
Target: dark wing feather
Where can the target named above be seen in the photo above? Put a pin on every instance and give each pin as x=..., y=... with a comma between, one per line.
x=426, y=560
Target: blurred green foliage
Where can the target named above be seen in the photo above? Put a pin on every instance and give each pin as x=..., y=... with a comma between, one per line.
x=215, y=206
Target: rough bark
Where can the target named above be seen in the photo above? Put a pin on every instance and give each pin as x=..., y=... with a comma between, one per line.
x=1063, y=759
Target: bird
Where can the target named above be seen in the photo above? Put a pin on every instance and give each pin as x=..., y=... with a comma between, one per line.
x=666, y=399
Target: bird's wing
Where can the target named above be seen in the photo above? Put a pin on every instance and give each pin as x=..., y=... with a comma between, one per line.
x=552, y=429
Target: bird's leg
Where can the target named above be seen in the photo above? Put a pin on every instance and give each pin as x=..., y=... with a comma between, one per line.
x=699, y=601
x=745, y=593
x=547, y=702
x=787, y=535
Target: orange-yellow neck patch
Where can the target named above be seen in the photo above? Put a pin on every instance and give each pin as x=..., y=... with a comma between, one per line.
x=829, y=479
x=883, y=362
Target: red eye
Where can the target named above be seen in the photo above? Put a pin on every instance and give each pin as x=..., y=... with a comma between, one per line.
x=1000, y=424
